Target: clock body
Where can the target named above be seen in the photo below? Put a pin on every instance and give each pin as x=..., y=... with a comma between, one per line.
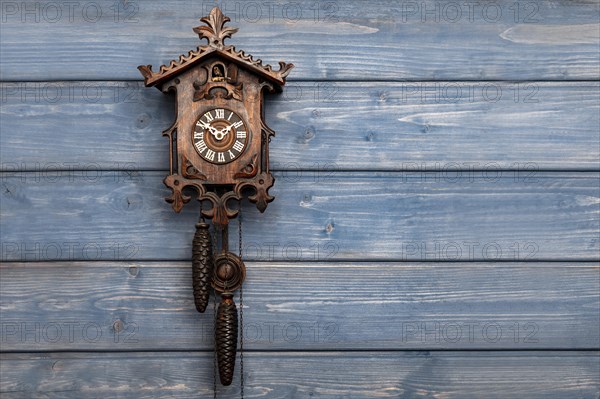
x=219, y=142
x=219, y=139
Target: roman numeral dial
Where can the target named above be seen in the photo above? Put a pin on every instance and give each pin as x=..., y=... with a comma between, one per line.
x=220, y=136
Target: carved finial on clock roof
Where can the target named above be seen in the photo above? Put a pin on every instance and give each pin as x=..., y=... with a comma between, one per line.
x=215, y=31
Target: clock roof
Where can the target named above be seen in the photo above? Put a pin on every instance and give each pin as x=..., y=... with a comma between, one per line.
x=215, y=32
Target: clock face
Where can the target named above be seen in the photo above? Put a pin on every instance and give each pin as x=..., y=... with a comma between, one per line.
x=220, y=136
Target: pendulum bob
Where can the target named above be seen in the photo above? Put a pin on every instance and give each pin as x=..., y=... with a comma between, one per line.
x=230, y=272
x=202, y=266
x=229, y=275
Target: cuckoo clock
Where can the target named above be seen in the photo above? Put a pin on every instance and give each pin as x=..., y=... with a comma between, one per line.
x=219, y=148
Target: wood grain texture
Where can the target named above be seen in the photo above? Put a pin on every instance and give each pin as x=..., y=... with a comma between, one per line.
x=564, y=375
x=95, y=215
x=381, y=40
x=364, y=263
x=320, y=126
x=124, y=306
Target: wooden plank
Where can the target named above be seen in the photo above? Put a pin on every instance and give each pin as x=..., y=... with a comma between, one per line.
x=123, y=306
x=488, y=216
x=324, y=375
x=321, y=126
x=382, y=40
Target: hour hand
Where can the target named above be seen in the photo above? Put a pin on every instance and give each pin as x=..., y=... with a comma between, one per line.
x=226, y=130
x=211, y=129
x=222, y=132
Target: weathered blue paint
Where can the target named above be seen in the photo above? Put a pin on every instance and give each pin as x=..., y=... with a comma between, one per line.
x=400, y=126
x=455, y=375
x=327, y=40
x=486, y=216
x=306, y=306
x=462, y=197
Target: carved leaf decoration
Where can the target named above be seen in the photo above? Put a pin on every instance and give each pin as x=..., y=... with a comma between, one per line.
x=284, y=69
x=220, y=213
x=215, y=31
x=189, y=171
x=248, y=171
x=261, y=185
x=146, y=71
x=204, y=92
x=177, y=198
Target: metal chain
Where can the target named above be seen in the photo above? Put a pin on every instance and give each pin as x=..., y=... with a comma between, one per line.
x=214, y=322
x=241, y=310
x=240, y=231
x=215, y=346
x=214, y=244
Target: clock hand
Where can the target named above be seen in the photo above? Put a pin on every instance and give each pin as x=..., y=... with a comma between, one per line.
x=226, y=130
x=207, y=126
x=222, y=132
x=219, y=134
x=216, y=133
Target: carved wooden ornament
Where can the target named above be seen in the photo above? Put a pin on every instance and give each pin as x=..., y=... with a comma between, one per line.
x=219, y=143
x=219, y=146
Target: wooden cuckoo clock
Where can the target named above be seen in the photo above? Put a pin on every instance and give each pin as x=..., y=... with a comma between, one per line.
x=218, y=146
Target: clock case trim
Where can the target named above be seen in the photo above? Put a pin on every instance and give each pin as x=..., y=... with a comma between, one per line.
x=253, y=178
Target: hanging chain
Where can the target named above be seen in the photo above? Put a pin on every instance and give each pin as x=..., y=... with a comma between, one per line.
x=240, y=230
x=241, y=309
x=215, y=346
x=201, y=214
x=214, y=322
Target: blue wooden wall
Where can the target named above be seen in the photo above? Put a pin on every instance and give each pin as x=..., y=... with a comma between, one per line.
x=435, y=231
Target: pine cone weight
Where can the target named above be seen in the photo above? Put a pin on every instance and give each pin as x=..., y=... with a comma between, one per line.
x=226, y=336
x=202, y=266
